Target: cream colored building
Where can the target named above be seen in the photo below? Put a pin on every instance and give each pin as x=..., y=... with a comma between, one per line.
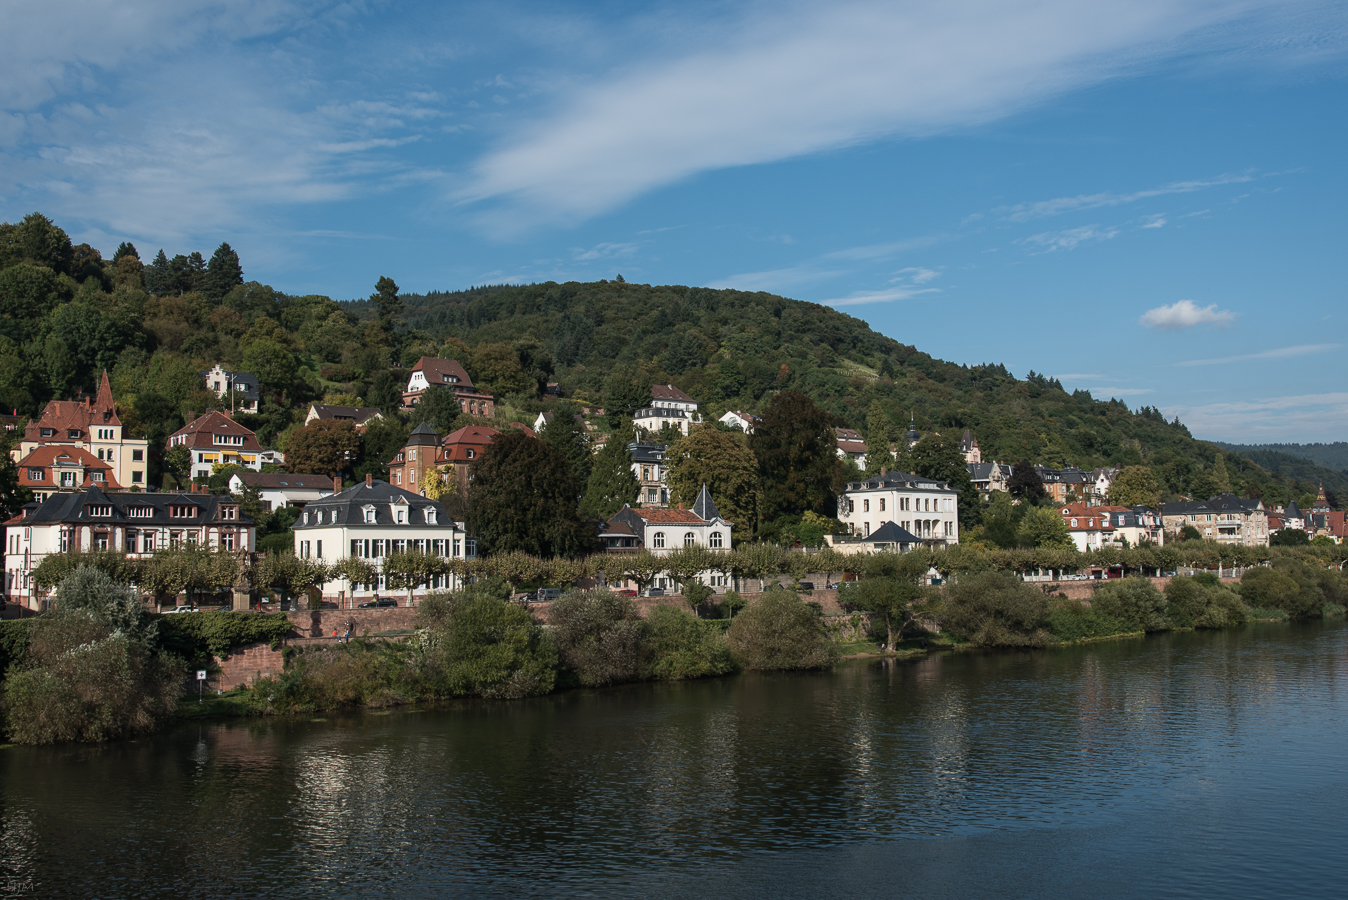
x=1226, y=519
x=90, y=423
x=926, y=509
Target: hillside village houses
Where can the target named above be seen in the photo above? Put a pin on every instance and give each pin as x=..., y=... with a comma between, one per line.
x=1093, y=527
x=850, y=445
x=739, y=419
x=239, y=388
x=61, y=468
x=136, y=524
x=372, y=520
x=90, y=424
x=648, y=465
x=447, y=374
x=216, y=439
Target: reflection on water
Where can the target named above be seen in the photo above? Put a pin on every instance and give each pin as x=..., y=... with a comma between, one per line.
x=1181, y=765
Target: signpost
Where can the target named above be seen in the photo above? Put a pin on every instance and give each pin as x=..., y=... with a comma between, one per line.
x=201, y=682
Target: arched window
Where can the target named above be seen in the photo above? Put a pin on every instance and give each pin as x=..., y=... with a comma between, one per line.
x=689, y=539
x=714, y=540
x=658, y=540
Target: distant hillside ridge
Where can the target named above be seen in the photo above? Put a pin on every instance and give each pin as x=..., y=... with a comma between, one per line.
x=1331, y=456
x=733, y=349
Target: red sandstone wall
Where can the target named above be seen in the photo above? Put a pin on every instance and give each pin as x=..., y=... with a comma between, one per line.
x=245, y=665
x=319, y=623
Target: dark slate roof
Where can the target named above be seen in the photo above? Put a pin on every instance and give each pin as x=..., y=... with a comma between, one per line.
x=72, y=507
x=642, y=452
x=279, y=480
x=899, y=480
x=1293, y=511
x=983, y=471
x=349, y=505
x=423, y=436
x=890, y=533
x=705, y=507
x=1226, y=503
x=660, y=412
x=358, y=414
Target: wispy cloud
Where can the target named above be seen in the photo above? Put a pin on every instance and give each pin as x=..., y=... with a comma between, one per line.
x=771, y=87
x=1121, y=392
x=1185, y=314
x=1025, y=212
x=1157, y=221
x=858, y=298
x=778, y=279
x=605, y=251
x=1303, y=417
x=1071, y=238
x=1279, y=353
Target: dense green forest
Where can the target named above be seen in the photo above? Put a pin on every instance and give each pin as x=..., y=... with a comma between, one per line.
x=1304, y=462
x=67, y=313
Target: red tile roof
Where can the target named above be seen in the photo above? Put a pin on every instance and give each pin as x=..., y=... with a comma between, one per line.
x=62, y=416
x=670, y=516
x=669, y=393
x=201, y=430
x=56, y=456
x=437, y=371
x=474, y=439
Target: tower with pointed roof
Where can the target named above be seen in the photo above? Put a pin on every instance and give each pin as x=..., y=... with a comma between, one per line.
x=92, y=424
x=704, y=507
x=913, y=435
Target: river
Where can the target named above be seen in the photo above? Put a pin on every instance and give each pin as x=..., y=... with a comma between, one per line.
x=1185, y=765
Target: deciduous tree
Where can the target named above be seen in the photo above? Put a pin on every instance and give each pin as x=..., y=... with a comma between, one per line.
x=723, y=462
x=524, y=497
x=323, y=447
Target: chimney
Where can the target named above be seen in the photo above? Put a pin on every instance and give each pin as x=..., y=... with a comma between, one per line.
x=883, y=470
x=369, y=480
x=191, y=415
x=336, y=484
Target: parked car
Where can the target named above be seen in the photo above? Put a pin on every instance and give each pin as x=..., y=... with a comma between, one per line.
x=807, y=585
x=181, y=609
x=836, y=586
x=626, y=593
x=377, y=603
x=655, y=592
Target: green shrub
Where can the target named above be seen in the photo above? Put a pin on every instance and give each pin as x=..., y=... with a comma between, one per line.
x=779, y=632
x=1071, y=620
x=1133, y=601
x=91, y=671
x=1289, y=585
x=358, y=673
x=485, y=646
x=996, y=609
x=14, y=637
x=678, y=646
x=1203, y=603
x=597, y=635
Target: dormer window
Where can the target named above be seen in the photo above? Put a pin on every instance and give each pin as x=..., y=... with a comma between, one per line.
x=73, y=434
x=369, y=515
x=401, y=516
x=430, y=517
x=48, y=432
x=306, y=518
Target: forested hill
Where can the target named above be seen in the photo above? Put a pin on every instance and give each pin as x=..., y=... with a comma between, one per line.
x=1325, y=464
x=731, y=349
x=1330, y=456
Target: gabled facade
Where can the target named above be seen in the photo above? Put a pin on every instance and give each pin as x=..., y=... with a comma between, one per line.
x=1227, y=519
x=409, y=464
x=669, y=406
x=61, y=468
x=373, y=520
x=134, y=523
x=92, y=424
x=925, y=508
x=662, y=531
x=989, y=476
x=850, y=445
x=216, y=439
x=430, y=372
x=969, y=447
x=744, y=421
x=239, y=388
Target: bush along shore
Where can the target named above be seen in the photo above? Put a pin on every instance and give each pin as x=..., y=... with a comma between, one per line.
x=99, y=667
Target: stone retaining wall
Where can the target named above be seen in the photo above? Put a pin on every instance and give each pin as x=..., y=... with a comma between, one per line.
x=320, y=623
x=244, y=665
x=1084, y=590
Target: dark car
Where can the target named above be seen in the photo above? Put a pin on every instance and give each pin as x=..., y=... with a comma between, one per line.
x=807, y=585
x=655, y=592
x=377, y=603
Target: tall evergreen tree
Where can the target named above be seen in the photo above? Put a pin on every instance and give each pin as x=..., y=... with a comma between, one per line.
x=388, y=305
x=223, y=273
x=568, y=436
x=1025, y=483
x=125, y=248
x=797, y=460
x=612, y=482
x=939, y=457
x=156, y=275
x=878, y=454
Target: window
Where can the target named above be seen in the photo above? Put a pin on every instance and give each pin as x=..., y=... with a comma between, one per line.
x=851, y=506
x=689, y=539
x=131, y=536
x=109, y=454
x=470, y=548
x=646, y=473
x=48, y=432
x=469, y=454
x=140, y=512
x=304, y=549
x=100, y=453
x=96, y=475
x=430, y=517
x=227, y=540
x=67, y=479
x=882, y=504
x=99, y=510
x=65, y=540
x=35, y=474
x=319, y=546
x=658, y=540
x=652, y=495
x=149, y=542
x=865, y=506
x=73, y=434
x=714, y=540
x=101, y=541
x=402, y=516
x=306, y=518
x=229, y=512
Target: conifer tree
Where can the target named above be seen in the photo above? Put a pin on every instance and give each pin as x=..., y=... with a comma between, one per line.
x=878, y=454
x=612, y=482
x=388, y=305
x=125, y=248
x=156, y=274
x=223, y=273
x=568, y=436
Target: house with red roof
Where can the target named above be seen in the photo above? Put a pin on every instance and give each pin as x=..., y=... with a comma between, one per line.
x=430, y=372
x=56, y=467
x=216, y=439
x=662, y=531
x=92, y=424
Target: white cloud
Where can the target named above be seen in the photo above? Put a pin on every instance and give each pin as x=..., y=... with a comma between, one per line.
x=1185, y=314
x=605, y=251
x=1070, y=238
x=1120, y=392
x=1157, y=221
x=1302, y=417
x=777, y=279
x=796, y=80
x=883, y=296
x=917, y=275
x=1024, y=212
x=1277, y=353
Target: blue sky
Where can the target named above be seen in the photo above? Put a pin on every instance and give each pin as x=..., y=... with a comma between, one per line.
x=1145, y=199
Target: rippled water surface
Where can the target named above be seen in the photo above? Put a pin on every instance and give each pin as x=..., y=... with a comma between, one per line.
x=1183, y=765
